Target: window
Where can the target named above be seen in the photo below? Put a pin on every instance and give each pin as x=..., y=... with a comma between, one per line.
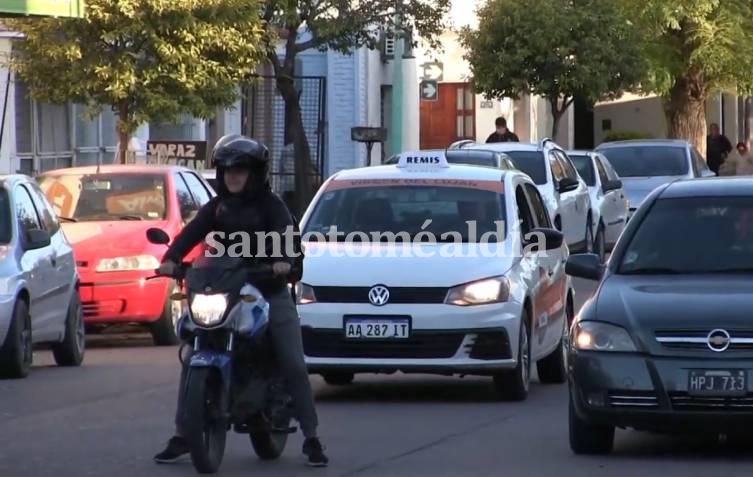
x=6, y=215
x=700, y=164
x=196, y=187
x=539, y=209
x=465, y=105
x=27, y=213
x=101, y=197
x=403, y=210
x=693, y=235
x=611, y=173
x=567, y=166
x=527, y=223
x=585, y=168
x=185, y=200
x=531, y=163
x=602, y=173
x=557, y=172
x=49, y=219
x=648, y=161
x=475, y=158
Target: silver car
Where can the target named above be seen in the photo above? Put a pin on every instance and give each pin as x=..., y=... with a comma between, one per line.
x=643, y=165
x=39, y=300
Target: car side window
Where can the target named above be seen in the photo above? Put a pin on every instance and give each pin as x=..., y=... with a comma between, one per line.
x=28, y=219
x=698, y=161
x=198, y=190
x=524, y=213
x=567, y=166
x=47, y=213
x=185, y=200
x=602, y=172
x=539, y=209
x=557, y=172
x=611, y=173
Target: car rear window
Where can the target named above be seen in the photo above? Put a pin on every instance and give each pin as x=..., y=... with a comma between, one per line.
x=473, y=158
x=6, y=216
x=100, y=197
x=531, y=163
x=647, y=161
x=693, y=235
x=393, y=207
x=585, y=167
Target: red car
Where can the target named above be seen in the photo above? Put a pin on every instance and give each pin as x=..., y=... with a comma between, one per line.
x=105, y=212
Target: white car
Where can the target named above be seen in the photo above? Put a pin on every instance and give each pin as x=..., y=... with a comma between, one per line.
x=611, y=206
x=378, y=307
x=564, y=192
x=39, y=300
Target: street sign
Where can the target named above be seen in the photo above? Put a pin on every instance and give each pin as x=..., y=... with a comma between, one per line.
x=487, y=105
x=177, y=152
x=433, y=70
x=429, y=90
x=47, y=8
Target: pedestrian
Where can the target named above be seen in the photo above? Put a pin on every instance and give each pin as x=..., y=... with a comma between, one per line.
x=502, y=134
x=738, y=163
x=717, y=148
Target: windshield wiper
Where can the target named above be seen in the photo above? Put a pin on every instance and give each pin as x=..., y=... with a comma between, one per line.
x=130, y=217
x=653, y=271
x=67, y=219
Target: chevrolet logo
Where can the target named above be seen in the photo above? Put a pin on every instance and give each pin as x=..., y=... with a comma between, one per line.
x=718, y=340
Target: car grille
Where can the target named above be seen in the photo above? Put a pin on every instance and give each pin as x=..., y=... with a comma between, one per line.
x=624, y=398
x=422, y=345
x=398, y=295
x=682, y=401
x=693, y=339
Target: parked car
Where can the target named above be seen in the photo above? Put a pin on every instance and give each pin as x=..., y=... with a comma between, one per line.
x=609, y=203
x=564, y=191
x=106, y=212
x=462, y=313
x=39, y=300
x=665, y=343
x=643, y=165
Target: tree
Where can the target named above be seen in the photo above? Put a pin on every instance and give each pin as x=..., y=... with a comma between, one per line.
x=340, y=25
x=694, y=48
x=149, y=60
x=553, y=49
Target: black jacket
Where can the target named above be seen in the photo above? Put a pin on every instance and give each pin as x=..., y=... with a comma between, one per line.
x=509, y=136
x=263, y=212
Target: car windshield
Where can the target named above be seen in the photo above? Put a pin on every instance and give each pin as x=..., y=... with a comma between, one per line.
x=474, y=158
x=387, y=211
x=531, y=163
x=647, y=161
x=585, y=167
x=6, y=217
x=693, y=235
x=99, y=197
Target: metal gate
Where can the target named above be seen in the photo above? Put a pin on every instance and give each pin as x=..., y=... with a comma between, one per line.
x=263, y=117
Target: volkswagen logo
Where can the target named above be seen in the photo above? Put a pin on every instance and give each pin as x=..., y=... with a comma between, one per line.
x=718, y=340
x=379, y=295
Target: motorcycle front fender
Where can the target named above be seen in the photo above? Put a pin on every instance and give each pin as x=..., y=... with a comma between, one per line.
x=222, y=362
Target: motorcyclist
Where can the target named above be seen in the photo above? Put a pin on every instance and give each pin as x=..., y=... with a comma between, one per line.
x=245, y=203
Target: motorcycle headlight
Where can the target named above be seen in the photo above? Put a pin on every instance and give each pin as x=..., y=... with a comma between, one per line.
x=207, y=310
x=121, y=264
x=598, y=336
x=304, y=294
x=482, y=292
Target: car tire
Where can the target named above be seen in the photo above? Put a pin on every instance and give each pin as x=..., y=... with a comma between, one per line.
x=600, y=245
x=514, y=385
x=70, y=351
x=164, y=329
x=586, y=438
x=16, y=353
x=338, y=379
x=552, y=369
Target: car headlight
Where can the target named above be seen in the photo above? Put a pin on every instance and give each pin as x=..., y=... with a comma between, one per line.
x=304, y=294
x=207, y=310
x=488, y=290
x=598, y=336
x=121, y=264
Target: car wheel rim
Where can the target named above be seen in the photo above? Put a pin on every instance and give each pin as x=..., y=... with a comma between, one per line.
x=524, y=358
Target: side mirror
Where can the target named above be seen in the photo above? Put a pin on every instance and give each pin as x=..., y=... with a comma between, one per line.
x=612, y=185
x=37, y=238
x=567, y=184
x=157, y=236
x=552, y=239
x=585, y=265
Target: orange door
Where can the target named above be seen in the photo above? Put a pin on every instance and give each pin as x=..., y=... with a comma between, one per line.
x=450, y=118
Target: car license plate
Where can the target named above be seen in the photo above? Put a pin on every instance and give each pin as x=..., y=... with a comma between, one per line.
x=377, y=327
x=717, y=382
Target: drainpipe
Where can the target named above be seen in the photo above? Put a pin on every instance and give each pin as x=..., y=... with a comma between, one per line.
x=397, y=86
x=4, y=111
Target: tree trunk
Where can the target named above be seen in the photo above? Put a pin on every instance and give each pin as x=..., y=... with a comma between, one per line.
x=685, y=111
x=124, y=136
x=559, y=108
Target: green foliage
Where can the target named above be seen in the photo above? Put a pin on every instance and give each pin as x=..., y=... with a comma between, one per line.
x=150, y=60
x=709, y=42
x=616, y=135
x=553, y=49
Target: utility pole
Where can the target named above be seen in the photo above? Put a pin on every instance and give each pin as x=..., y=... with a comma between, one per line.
x=396, y=132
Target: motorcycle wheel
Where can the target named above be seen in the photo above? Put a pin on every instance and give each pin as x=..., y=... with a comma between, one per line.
x=269, y=445
x=205, y=434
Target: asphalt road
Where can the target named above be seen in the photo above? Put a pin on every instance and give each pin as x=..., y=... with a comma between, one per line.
x=111, y=416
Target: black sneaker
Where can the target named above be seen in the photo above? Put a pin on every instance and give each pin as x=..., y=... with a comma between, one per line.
x=176, y=448
x=314, y=450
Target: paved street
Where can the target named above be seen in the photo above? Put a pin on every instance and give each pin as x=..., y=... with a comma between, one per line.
x=109, y=418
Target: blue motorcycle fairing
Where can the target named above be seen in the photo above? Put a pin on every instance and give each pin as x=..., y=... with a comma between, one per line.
x=223, y=362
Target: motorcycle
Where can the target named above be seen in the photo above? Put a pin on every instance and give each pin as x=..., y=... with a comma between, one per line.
x=233, y=381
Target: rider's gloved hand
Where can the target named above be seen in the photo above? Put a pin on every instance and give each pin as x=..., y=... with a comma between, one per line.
x=281, y=268
x=167, y=268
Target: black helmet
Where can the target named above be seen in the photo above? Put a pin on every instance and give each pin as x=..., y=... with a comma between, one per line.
x=235, y=150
